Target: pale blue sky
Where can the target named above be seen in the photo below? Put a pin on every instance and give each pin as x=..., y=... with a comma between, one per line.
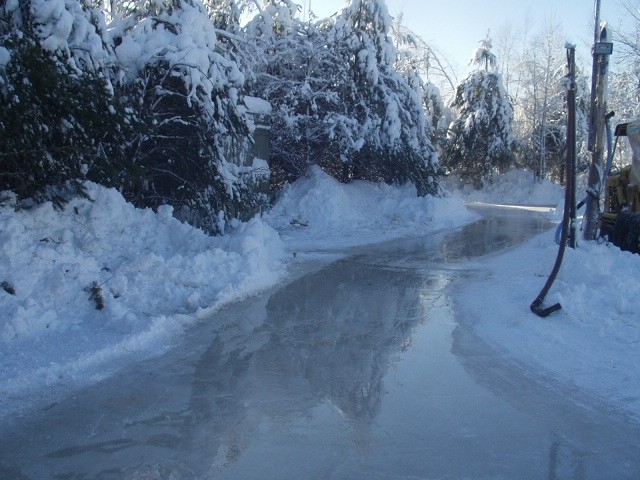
x=456, y=26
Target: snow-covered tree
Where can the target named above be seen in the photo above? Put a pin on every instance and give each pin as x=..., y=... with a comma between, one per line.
x=624, y=100
x=533, y=67
x=189, y=95
x=282, y=53
x=225, y=14
x=297, y=83
x=624, y=76
x=481, y=139
x=415, y=54
x=483, y=56
x=338, y=100
x=74, y=30
x=628, y=38
x=148, y=96
x=413, y=61
x=540, y=121
x=381, y=131
x=276, y=19
x=60, y=122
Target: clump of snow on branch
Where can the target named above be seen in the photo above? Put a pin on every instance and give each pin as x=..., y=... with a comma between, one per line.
x=66, y=27
x=483, y=56
x=186, y=41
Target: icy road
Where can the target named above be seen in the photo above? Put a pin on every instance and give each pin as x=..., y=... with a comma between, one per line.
x=360, y=369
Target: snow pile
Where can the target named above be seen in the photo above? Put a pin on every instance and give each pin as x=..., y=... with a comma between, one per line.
x=318, y=213
x=151, y=274
x=593, y=342
x=515, y=187
x=5, y=57
x=154, y=276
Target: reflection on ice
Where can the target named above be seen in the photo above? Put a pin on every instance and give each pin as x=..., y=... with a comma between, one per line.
x=327, y=339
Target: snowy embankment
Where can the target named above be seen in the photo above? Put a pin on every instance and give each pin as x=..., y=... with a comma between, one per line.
x=515, y=187
x=149, y=274
x=318, y=213
x=593, y=342
x=155, y=276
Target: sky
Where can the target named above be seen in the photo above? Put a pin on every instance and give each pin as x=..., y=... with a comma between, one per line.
x=455, y=28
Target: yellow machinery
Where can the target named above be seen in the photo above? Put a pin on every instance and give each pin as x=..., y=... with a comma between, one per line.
x=620, y=220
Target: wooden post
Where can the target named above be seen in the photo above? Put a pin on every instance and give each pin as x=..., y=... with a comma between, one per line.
x=601, y=52
x=594, y=79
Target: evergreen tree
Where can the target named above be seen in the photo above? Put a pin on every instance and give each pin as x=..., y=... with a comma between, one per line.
x=277, y=54
x=413, y=61
x=480, y=140
x=296, y=81
x=188, y=93
x=385, y=135
x=483, y=56
x=60, y=121
x=337, y=98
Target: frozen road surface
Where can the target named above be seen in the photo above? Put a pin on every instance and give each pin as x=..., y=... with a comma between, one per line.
x=360, y=369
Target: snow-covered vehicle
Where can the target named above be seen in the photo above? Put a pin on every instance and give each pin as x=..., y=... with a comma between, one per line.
x=620, y=220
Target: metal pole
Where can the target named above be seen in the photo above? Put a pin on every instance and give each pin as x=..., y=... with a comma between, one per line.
x=596, y=27
x=571, y=143
x=594, y=74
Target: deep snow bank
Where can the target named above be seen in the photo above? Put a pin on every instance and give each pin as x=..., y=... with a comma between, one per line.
x=153, y=273
x=320, y=213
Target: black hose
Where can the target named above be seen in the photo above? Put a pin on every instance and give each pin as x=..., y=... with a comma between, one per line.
x=568, y=218
x=535, y=305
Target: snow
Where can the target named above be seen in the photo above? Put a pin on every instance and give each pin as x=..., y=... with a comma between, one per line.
x=186, y=41
x=67, y=27
x=157, y=277
x=515, y=187
x=54, y=23
x=5, y=57
x=591, y=343
x=318, y=213
x=257, y=105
